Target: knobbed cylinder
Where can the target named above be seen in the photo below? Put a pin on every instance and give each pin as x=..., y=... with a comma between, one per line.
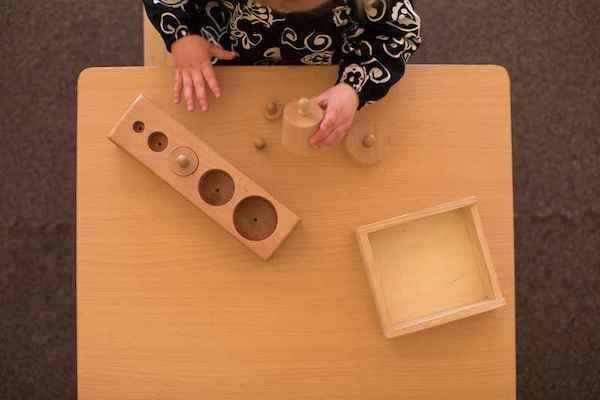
x=301, y=119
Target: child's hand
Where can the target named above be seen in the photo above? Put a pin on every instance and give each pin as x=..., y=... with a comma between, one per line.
x=193, y=69
x=340, y=102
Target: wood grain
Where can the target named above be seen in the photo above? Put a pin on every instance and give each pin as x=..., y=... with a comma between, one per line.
x=169, y=306
x=206, y=194
x=429, y=267
x=364, y=144
x=301, y=120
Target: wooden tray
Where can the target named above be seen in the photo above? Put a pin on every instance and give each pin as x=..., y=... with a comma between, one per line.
x=429, y=267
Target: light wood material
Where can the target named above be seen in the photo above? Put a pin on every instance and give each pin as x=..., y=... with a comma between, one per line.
x=369, y=140
x=260, y=143
x=429, y=267
x=203, y=177
x=183, y=161
x=273, y=111
x=301, y=119
x=170, y=307
x=365, y=144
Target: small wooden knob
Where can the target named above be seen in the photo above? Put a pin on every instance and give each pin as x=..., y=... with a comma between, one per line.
x=260, y=143
x=303, y=107
x=272, y=107
x=273, y=111
x=182, y=161
x=369, y=140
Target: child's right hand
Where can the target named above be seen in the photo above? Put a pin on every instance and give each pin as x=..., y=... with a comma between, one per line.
x=194, y=71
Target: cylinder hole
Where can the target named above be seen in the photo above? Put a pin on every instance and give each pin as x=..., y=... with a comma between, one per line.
x=216, y=187
x=255, y=218
x=158, y=141
x=138, y=126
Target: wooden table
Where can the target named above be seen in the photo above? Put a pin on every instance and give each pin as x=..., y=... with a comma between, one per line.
x=170, y=306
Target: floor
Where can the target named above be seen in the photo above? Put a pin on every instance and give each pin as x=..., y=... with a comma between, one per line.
x=552, y=50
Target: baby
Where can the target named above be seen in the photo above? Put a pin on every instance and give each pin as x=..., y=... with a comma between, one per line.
x=371, y=40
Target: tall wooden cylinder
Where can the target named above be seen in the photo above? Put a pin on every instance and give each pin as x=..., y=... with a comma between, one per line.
x=301, y=119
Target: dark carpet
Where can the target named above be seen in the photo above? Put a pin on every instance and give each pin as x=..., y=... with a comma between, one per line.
x=552, y=50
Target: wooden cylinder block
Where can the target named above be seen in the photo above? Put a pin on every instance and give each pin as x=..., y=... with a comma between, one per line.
x=365, y=147
x=200, y=174
x=301, y=119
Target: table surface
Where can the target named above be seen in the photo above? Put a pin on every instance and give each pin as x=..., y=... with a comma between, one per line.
x=170, y=306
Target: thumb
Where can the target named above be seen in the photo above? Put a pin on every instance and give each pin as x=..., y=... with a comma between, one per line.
x=222, y=53
x=325, y=127
x=322, y=99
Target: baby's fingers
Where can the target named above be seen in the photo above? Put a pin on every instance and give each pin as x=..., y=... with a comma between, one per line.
x=322, y=98
x=325, y=129
x=211, y=80
x=200, y=91
x=335, y=137
x=188, y=90
x=178, y=86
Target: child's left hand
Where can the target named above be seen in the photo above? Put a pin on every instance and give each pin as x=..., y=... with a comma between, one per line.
x=340, y=103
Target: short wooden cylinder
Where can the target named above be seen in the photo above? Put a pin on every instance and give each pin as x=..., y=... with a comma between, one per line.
x=365, y=147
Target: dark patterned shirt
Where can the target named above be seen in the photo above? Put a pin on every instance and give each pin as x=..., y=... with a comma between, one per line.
x=371, y=48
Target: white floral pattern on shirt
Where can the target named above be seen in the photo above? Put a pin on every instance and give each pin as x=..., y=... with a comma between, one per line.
x=170, y=25
x=372, y=50
x=252, y=13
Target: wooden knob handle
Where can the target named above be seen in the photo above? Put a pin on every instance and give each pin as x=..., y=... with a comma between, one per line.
x=303, y=106
x=182, y=161
x=369, y=140
x=273, y=111
x=260, y=143
x=272, y=108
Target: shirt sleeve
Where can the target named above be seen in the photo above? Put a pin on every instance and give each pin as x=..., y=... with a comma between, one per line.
x=173, y=19
x=377, y=45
